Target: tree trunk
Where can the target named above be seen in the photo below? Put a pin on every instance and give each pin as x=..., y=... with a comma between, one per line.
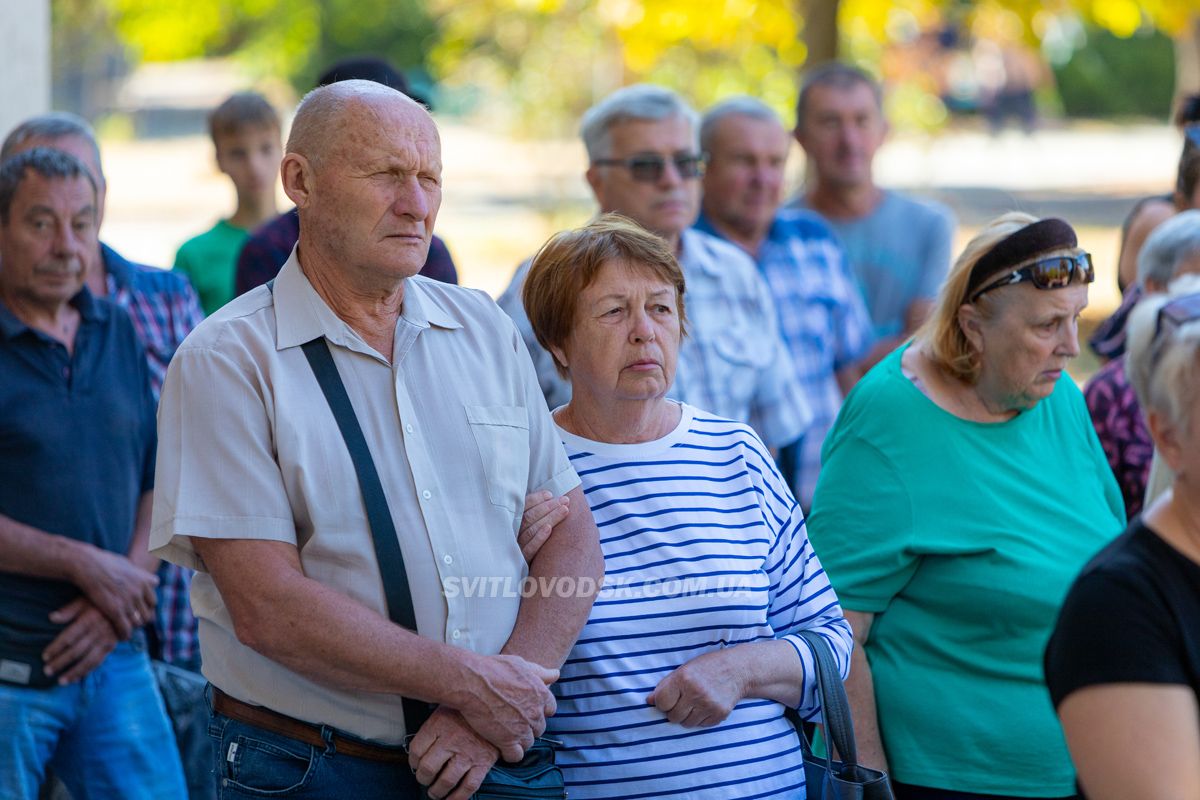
x=820, y=31
x=1187, y=62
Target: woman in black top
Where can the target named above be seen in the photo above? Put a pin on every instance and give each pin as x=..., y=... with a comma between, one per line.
x=1123, y=665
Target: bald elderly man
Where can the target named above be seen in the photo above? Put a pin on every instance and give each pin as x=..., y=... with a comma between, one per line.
x=257, y=491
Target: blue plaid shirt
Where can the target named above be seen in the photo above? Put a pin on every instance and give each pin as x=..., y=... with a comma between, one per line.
x=823, y=320
x=733, y=363
x=164, y=309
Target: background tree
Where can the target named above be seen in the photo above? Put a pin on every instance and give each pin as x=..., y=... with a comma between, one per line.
x=538, y=63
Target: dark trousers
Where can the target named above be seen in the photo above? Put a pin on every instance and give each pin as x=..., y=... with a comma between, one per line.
x=904, y=791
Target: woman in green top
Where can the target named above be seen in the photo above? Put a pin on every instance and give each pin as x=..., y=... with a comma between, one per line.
x=961, y=491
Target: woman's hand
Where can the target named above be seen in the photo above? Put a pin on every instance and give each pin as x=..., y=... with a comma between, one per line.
x=702, y=692
x=542, y=512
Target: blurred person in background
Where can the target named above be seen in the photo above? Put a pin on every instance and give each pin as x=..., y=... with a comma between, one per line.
x=673, y=691
x=163, y=305
x=822, y=318
x=268, y=247
x=1123, y=665
x=1172, y=250
x=645, y=163
x=962, y=490
x=246, y=137
x=898, y=247
x=1108, y=340
x=1150, y=212
x=164, y=309
x=76, y=476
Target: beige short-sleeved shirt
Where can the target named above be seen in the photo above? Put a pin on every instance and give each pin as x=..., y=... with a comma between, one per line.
x=248, y=449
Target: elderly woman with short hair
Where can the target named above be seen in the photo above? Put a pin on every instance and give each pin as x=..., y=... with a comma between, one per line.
x=1123, y=665
x=1173, y=249
x=678, y=683
x=962, y=489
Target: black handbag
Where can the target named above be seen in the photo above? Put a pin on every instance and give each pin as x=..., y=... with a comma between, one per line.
x=534, y=777
x=826, y=778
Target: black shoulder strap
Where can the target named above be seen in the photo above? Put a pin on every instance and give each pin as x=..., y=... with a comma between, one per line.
x=835, y=708
x=383, y=532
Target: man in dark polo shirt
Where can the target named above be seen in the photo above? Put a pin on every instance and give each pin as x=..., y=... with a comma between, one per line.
x=77, y=446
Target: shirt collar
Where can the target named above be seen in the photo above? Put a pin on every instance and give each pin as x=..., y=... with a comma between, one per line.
x=301, y=315
x=694, y=252
x=116, y=267
x=84, y=302
x=775, y=233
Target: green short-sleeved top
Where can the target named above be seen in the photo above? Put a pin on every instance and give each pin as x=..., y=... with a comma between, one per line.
x=962, y=538
x=210, y=261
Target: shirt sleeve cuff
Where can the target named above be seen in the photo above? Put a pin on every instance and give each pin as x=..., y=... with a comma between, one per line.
x=561, y=483
x=171, y=541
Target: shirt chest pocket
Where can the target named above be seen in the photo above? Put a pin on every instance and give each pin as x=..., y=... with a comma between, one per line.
x=738, y=359
x=502, y=435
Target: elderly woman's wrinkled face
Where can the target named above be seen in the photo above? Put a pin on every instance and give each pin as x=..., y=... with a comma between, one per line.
x=1026, y=344
x=626, y=335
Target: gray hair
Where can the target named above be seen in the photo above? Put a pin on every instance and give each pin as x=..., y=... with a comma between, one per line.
x=1164, y=373
x=642, y=101
x=1168, y=246
x=742, y=106
x=835, y=75
x=49, y=127
x=45, y=161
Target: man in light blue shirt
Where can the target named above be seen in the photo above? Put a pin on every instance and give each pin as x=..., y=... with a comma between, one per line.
x=822, y=317
x=898, y=247
x=645, y=163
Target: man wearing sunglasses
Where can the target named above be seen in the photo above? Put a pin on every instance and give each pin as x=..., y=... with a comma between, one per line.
x=645, y=162
x=898, y=247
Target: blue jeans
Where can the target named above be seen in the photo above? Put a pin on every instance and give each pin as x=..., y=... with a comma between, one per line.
x=105, y=736
x=252, y=762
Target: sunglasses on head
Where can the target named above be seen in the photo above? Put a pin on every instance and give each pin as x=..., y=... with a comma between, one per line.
x=1176, y=313
x=649, y=167
x=1054, y=272
x=1172, y=316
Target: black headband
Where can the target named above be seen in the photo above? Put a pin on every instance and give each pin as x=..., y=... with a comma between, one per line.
x=1020, y=246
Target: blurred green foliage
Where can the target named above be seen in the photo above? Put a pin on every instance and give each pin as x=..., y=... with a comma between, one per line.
x=537, y=64
x=1111, y=76
x=295, y=39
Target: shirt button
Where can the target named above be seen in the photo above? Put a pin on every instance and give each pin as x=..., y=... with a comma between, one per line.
x=427, y=494
x=456, y=634
x=408, y=428
x=449, y=559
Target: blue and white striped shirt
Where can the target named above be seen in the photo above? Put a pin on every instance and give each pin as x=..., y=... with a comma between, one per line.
x=704, y=548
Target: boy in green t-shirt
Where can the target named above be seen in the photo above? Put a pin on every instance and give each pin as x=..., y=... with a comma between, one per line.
x=246, y=134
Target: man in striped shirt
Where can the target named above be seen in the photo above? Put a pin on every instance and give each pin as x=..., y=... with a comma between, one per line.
x=822, y=317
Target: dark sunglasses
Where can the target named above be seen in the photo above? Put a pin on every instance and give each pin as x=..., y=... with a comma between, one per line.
x=1175, y=314
x=1171, y=316
x=1047, y=273
x=649, y=167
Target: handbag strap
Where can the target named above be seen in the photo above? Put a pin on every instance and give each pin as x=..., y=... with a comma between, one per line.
x=835, y=708
x=383, y=532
